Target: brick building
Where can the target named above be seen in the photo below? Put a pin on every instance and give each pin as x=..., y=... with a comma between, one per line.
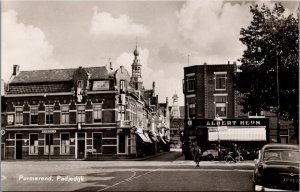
x=80, y=113
x=209, y=93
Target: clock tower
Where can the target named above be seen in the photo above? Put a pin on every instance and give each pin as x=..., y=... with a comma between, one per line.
x=136, y=78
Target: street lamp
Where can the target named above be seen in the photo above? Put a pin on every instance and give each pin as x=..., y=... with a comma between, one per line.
x=48, y=127
x=218, y=120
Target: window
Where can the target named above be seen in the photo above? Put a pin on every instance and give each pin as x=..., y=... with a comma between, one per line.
x=253, y=114
x=220, y=106
x=97, y=142
x=49, y=114
x=81, y=114
x=10, y=119
x=19, y=115
x=80, y=84
x=49, y=144
x=192, y=111
x=65, y=116
x=97, y=113
x=65, y=143
x=122, y=86
x=33, y=144
x=220, y=81
x=190, y=83
x=34, y=115
x=121, y=113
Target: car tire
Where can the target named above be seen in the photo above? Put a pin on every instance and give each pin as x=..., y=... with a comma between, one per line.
x=210, y=157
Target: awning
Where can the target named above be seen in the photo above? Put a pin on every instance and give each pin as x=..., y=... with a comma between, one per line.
x=161, y=138
x=153, y=135
x=148, y=138
x=143, y=136
x=239, y=134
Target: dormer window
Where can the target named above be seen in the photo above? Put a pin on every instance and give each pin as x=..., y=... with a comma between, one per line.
x=122, y=86
x=80, y=84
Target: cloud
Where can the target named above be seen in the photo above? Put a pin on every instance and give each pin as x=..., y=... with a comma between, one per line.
x=212, y=29
x=24, y=45
x=164, y=83
x=104, y=25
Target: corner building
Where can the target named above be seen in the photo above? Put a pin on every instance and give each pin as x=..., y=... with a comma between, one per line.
x=81, y=113
x=209, y=93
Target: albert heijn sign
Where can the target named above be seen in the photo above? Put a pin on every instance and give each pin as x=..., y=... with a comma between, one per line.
x=231, y=122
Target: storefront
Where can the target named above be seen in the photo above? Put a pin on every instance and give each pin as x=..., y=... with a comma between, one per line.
x=250, y=131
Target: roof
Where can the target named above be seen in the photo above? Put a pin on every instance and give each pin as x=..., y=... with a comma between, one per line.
x=280, y=146
x=57, y=75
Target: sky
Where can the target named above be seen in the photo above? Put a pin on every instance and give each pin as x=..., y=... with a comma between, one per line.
x=44, y=34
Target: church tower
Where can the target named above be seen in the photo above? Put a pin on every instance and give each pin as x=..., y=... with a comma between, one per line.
x=175, y=112
x=136, y=78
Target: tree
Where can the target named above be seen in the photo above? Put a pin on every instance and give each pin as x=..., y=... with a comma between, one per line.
x=272, y=41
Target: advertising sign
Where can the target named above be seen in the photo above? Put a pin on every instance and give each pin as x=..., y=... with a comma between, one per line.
x=100, y=85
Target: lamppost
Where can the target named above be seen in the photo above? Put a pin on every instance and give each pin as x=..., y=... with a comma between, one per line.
x=218, y=120
x=48, y=111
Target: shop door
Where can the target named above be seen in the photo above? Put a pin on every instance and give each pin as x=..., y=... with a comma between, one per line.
x=122, y=143
x=18, y=146
x=80, y=145
x=2, y=151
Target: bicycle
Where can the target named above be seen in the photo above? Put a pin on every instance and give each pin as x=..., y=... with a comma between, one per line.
x=229, y=157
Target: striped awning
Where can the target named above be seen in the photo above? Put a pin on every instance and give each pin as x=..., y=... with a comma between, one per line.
x=143, y=136
x=239, y=134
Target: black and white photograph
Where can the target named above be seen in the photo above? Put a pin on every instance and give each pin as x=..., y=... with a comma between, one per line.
x=149, y=95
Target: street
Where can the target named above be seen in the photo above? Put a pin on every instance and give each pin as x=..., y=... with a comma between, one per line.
x=161, y=173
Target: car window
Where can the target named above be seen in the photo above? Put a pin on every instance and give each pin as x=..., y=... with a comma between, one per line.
x=281, y=155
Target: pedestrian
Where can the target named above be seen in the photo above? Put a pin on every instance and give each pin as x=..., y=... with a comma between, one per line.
x=197, y=155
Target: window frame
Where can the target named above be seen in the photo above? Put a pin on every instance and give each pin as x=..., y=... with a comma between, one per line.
x=220, y=75
x=220, y=103
x=190, y=82
x=81, y=113
x=97, y=112
x=65, y=114
x=35, y=114
x=49, y=121
x=19, y=115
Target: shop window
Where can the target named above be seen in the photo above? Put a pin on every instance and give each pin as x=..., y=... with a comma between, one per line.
x=65, y=116
x=33, y=144
x=49, y=114
x=34, y=115
x=65, y=143
x=97, y=113
x=49, y=144
x=80, y=114
x=19, y=115
x=221, y=106
x=220, y=81
x=97, y=142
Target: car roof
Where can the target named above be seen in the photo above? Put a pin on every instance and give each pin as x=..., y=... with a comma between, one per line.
x=280, y=146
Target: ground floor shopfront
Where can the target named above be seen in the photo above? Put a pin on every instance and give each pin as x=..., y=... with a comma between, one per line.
x=249, y=134
x=86, y=143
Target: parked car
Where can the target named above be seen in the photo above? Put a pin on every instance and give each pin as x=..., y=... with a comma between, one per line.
x=210, y=154
x=277, y=168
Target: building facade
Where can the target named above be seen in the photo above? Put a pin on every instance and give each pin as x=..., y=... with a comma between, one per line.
x=81, y=113
x=177, y=122
x=209, y=95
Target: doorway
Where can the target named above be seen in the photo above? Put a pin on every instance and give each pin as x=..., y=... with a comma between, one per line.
x=122, y=143
x=2, y=151
x=19, y=146
x=80, y=145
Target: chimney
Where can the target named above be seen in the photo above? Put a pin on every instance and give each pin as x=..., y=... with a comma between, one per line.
x=110, y=65
x=204, y=63
x=228, y=62
x=153, y=88
x=16, y=69
x=234, y=62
